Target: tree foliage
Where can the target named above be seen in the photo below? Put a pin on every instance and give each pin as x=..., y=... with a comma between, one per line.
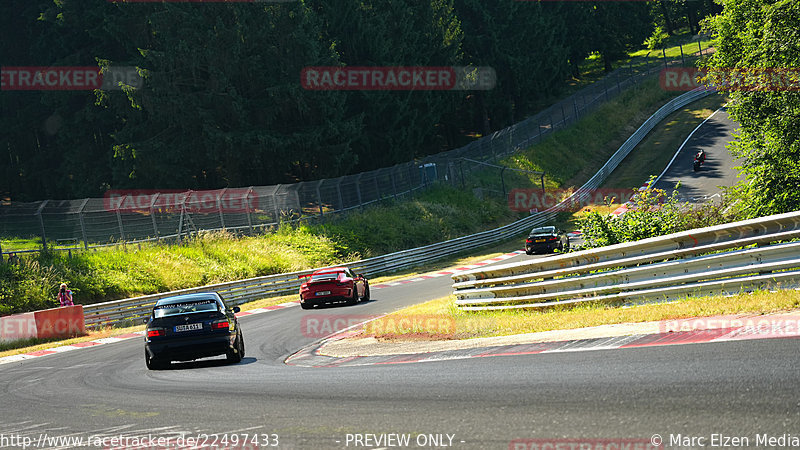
x=758, y=34
x=652, y=212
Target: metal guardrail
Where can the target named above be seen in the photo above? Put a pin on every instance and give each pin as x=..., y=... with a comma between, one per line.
x=238, y=292
x=705, y=261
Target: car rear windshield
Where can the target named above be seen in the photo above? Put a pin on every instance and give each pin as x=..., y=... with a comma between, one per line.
x=173, y=309
x=543, y=230
x=325, y=276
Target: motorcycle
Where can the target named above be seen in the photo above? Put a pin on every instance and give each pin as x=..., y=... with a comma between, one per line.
x=699, y=159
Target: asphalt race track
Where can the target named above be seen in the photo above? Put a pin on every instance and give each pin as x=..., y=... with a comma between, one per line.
x=734, y=388
x=718, y=170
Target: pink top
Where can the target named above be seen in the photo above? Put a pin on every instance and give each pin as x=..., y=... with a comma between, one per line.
x=65, y=298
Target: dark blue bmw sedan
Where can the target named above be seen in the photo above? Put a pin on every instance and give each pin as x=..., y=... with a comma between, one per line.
x=192, y=326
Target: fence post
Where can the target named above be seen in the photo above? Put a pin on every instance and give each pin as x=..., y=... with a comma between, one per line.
x=563, y=114
x=377, y=186
x=275, y=208
x=394, y=184
x=1, y=252
x=699, y=47
x=683, y=60
x=664, y=54
x=358, y=190
x=183, y=214
x=339, y=192
x=219, y=208
x=575, y=105
x=319, y=201
x=83, y=225
x=153, y=215
x=119, y=220
x=503, y=180
x=410, y=179
x=41, y=223
x=248, y=210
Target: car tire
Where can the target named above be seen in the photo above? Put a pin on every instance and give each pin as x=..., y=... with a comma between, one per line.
x=354, y=299
x=235, y=355
x=365, y=298
x=306, y=305
x=153, y=363
x=529, y=252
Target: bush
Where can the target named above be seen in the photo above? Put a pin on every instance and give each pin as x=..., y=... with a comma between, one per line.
x=27, y=286
x=656, y=40
x=652, y=213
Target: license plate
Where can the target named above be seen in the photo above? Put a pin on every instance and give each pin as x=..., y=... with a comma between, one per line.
x=541, y=240
x=323, y=293
x=188, y=327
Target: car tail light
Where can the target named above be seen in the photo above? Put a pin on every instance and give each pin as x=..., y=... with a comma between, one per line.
x=528, y=241
x=155, y=332
x=553, y=238
x=220, y=324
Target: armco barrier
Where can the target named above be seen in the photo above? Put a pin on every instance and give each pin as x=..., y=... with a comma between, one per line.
x=704, y=261
x=49, y=323
x=238, y=292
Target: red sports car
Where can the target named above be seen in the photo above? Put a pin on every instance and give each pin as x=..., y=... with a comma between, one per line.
x=331, y=285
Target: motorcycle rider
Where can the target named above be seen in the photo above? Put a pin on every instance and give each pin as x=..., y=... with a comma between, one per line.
x=700, y=156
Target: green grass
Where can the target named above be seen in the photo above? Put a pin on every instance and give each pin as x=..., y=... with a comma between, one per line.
x=654, y=153
x=673, y=49
x=571, y=156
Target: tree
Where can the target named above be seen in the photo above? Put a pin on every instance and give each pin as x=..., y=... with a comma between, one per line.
x=222, y=103
x=751, y=35
x=398, y=125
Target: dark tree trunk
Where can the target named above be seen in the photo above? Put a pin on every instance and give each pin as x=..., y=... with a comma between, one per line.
x=667, y=19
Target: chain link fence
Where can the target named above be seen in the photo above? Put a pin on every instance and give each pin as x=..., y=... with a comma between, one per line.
x=137, y=216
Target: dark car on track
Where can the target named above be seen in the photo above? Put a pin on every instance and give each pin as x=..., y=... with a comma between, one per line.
x=333, y=285
x=192, y=326
x=546, y=239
